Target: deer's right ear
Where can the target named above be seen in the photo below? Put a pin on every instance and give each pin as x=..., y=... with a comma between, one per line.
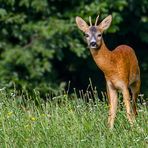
x=82, y=25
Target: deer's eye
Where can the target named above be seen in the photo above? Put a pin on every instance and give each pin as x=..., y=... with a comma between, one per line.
x=99, y=35
x=86, y=35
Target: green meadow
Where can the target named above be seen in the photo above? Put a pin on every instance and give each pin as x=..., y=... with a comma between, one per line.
x=42, y=50
x=65, y=122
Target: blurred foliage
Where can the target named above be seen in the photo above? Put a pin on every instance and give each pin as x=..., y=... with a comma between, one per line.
x=41, y=47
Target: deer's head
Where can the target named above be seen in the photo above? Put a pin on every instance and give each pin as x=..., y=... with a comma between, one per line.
x=93, y=33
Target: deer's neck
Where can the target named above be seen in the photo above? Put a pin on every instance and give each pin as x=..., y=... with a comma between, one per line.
x=103, y=58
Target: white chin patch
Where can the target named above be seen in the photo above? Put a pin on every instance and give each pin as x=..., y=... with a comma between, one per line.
x=93, y=47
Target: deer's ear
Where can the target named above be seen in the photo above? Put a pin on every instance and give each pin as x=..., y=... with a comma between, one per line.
x=82, y=25
x=105, y=23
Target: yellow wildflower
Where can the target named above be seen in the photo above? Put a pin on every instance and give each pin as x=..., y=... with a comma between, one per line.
x=43, y=115
x=33, y=119
x=9, y=114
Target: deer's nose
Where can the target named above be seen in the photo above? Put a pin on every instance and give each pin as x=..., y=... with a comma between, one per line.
x=93, y=43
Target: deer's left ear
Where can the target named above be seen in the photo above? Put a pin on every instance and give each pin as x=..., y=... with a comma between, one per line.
x=82, y=25
x=105, y=23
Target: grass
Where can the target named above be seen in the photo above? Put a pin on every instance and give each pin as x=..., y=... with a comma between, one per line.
x=68, y=123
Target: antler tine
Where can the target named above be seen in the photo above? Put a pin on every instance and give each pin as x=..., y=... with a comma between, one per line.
x=90, y=22
x=96, y=20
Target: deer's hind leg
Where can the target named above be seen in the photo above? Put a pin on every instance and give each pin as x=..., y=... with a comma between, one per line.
x=135, y=89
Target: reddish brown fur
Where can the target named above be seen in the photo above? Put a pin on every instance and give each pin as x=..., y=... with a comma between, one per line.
x=121, y=71
x=120, y=63
x=120, y=68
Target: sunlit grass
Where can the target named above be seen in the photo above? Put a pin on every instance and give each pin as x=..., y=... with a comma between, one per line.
x=66, y=122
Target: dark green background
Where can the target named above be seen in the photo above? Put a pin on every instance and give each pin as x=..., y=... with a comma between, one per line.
x=41, y=47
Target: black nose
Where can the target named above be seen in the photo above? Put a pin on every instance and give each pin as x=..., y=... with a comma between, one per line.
x=93, y=43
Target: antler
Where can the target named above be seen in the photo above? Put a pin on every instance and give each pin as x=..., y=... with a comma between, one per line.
x=90, y=22
x=96, y=20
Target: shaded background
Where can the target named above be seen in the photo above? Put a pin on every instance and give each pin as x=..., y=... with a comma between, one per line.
x=41, y=47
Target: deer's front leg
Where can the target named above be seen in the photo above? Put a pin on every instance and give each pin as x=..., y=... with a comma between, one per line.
x=113, y=100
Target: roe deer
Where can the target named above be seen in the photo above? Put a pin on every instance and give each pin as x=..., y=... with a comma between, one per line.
x=119, y=66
